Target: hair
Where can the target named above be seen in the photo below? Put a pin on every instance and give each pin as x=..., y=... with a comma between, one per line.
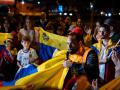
x=31, y=23
x=110, y=22
x=43, y=15
x=107, y=28
x=26, y=38
x=114, y=23
x=77, y=37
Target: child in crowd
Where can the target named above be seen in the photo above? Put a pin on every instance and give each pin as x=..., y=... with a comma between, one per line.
x=8, y=66
x=26, y=55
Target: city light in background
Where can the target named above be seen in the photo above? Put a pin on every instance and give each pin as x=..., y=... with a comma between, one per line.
x=38, y=2
x=119, y=13
x=60, y=13
x=65, y=14
x=102, y=13
x=23, y=2
x=91, y=5
x=109, y=14
x=61, y=8
x=70, y=14
x=106, y=15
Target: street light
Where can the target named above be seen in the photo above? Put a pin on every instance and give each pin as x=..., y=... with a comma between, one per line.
x=101, y=12
x=23, y=2
x=38, y=2
x=106, y=15
x=60, y=13
x=91, y=5
x=70, y=14
x=109, y=14
x=65, y=14
x=119, y=13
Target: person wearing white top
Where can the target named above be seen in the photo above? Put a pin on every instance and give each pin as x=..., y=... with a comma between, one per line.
x=26, y=55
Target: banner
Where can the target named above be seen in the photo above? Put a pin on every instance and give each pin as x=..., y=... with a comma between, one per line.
x=28, y=9
x=10, y=2
x=50, y=39
x=112, y=85
x=4, y=36
x=49, y=74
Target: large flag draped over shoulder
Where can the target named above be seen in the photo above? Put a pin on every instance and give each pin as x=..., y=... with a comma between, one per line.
x=49, y=74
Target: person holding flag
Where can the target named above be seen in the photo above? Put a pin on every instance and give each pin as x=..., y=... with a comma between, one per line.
x=81, y=60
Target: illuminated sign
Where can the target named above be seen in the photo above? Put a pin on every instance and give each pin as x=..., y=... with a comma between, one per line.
x=7, y=2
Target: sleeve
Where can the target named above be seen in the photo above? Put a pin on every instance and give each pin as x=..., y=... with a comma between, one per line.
x=19, y=56
x=77, y=68
x=90, y=68
x=34, y=54
x=92, y=65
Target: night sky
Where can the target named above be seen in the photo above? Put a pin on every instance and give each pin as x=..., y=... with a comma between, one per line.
x=99, y=4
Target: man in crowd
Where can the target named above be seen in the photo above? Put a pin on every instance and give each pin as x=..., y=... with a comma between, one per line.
x=103, y=49
x=114, y=32
x=80, y=59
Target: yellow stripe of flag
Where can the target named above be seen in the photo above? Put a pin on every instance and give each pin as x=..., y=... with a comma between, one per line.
x=50, y=39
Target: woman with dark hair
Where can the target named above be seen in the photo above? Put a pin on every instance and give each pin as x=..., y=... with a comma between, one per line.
x=27, y=30
x=96, y=35
x=5, y=28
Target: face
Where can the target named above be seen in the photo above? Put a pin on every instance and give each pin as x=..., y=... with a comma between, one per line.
x=6, y=24
x=103, y=33
x=26, y=44
x=79, y=22
x=73, y=45
x=67, y=20
x=8, y=44
x=27, y=22
x=87, y=30
x=97, y=24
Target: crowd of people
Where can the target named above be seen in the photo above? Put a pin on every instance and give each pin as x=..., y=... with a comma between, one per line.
x=93, y=48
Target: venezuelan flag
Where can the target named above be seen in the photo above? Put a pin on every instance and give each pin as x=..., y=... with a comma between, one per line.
x=113, y=85
x=49, y=74
x=48, y=42
x=50, y=39
x=4, y=36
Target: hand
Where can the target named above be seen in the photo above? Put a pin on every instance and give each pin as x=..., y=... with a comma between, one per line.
x=95, y=84
x=115, y=56
x=67, y=63
x=20, y=67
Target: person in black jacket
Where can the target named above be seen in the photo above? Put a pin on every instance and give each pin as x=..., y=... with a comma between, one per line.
x=81, y=60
